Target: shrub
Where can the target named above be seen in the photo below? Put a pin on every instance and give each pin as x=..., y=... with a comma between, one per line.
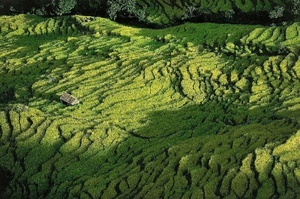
x=124, y=9
x=295, y=8
x=204, y=14
x=240, y=184
x=229, y=14
x=92, y=7
x=277, y=12
x=190, y=12
x=40, y=11
x=64, y=6
x=11, y=7
x=52, y=7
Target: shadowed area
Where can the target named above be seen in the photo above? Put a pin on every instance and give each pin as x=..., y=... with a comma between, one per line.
x=5, y=179
x=223, y=152
x=191, y=111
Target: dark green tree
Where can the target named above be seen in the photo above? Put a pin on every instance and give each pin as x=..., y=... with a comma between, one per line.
x=125, y=9
x=295, y=8
x=61, y=7
x=277, y=12
x=91, y=7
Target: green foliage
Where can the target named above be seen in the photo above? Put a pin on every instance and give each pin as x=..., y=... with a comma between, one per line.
x=64, y=6
x=191, y=111
x=277, y=12
x=295, y=7
x=51, y=7
x=124, y=9
x=263, y=163
x=240, y=184
x=163, y=13
x=267, y=189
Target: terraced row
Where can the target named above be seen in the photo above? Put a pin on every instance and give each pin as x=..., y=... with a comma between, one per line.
x=275, y=39
x=33, y=26
x=164, y=12
x=162, y=114
x=241, y=161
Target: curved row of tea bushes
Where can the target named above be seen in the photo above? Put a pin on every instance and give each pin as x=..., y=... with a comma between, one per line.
x=181, y=112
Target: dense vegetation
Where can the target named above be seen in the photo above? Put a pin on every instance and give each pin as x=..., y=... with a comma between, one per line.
x=191, y=111
x=163, y=13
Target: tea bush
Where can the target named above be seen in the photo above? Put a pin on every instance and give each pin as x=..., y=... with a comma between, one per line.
x=195, y=110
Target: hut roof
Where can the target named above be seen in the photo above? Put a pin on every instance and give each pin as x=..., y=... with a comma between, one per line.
x=68, y=99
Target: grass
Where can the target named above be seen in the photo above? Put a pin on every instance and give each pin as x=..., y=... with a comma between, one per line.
x=196, y=110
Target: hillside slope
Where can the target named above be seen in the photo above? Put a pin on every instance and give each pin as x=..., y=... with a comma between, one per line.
x=193, y=111
x=163, y=13
x=166, y=12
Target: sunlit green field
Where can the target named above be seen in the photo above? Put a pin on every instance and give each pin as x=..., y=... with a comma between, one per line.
x=191, y=111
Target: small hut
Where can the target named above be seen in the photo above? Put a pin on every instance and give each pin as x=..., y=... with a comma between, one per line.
x=68, y=99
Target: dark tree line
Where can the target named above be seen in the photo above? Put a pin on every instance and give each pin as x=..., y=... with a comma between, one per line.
x=287, y=12
x=114, y=9
x=52, y=7
x=130, y=10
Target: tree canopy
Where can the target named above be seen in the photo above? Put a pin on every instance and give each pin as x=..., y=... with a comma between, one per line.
x=156, y=12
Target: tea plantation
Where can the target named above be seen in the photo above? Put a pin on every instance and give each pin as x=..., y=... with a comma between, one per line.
x=191, y=111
